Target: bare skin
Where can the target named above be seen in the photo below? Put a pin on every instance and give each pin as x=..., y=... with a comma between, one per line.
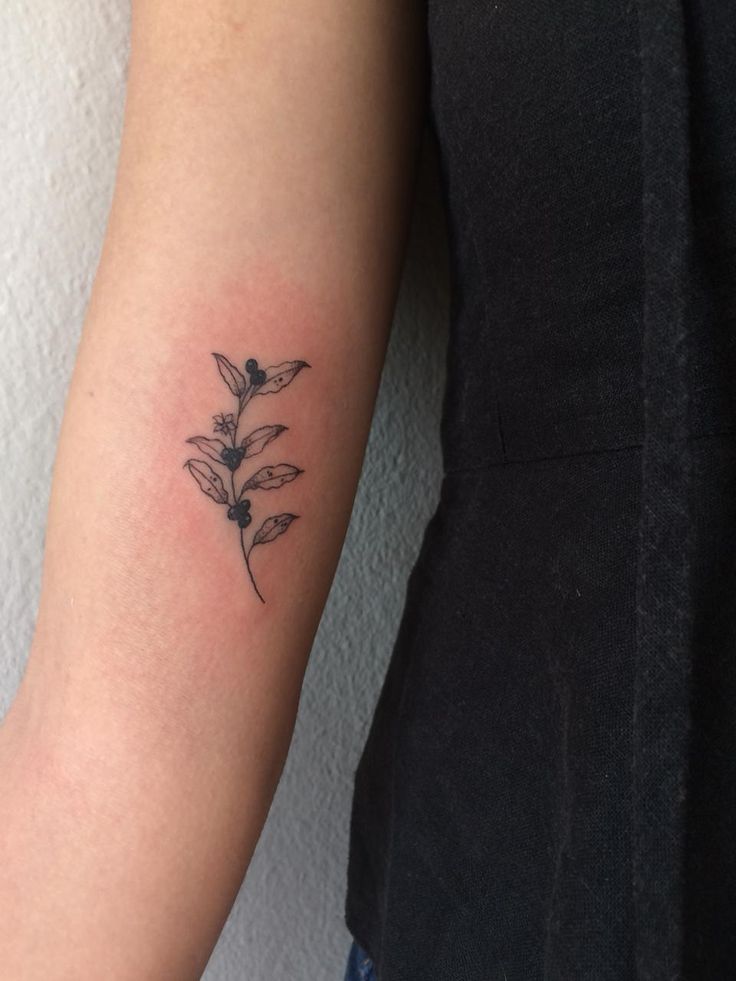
x=260, y=210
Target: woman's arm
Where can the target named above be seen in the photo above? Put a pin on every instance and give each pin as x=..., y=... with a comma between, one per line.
x=259, y=213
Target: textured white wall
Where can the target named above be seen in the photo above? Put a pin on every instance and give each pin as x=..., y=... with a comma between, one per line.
x=62, y=76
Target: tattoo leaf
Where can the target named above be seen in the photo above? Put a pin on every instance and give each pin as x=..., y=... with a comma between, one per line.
x=279, y=376
x=233, y=378
x=210, y=447
x=269, y=478
x=260, y=438
x=229, y=448
x=209, y=481
x=272, y=528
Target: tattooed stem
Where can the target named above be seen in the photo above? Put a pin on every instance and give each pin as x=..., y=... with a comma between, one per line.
x=246, y=553
x=245, y=399
x=247, y=566
x=261, y=381
x=235, y=431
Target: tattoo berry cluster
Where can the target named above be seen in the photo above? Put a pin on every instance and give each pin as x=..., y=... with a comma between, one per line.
x=257, y=376
x=230, y=452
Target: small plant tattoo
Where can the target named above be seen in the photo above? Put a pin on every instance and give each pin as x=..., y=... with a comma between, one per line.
x=230, y=453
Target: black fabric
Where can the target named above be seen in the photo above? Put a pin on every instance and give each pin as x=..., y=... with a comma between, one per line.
x=663, y=609
x=548, y=787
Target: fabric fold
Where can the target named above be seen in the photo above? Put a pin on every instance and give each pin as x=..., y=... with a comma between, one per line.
x=662, y=679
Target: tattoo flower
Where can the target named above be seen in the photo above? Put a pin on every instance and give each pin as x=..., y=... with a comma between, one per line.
x=231, y=454
x=224, y=423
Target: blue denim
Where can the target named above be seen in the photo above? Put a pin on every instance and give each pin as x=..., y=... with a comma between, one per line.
x=359, y=966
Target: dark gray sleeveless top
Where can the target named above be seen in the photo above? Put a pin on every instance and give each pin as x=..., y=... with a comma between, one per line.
x=548, y=789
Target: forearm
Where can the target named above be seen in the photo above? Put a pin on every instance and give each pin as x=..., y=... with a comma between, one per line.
x=258, y=213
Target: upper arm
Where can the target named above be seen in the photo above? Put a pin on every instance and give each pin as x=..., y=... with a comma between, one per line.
x=262, y=198
x=259, y=212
